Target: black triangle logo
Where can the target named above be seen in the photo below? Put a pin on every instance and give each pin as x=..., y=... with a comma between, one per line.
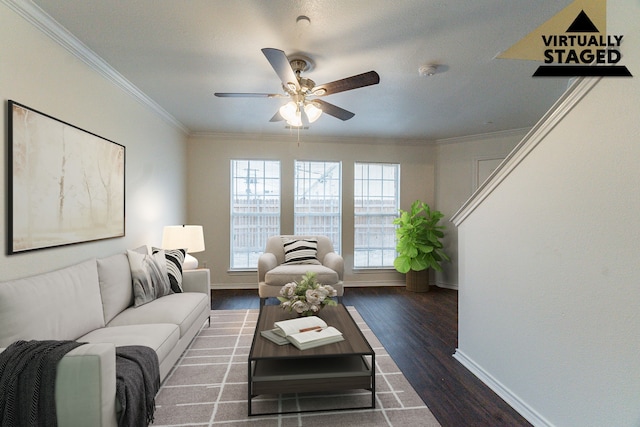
x=582, y=24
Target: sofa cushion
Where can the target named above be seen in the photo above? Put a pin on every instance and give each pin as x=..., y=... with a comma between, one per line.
x=175, y=259
x=58, y=305
x=115, y=285
x=300, y=251
x=162, y=337
x=149, y=276
x=283, y=274
x=180, y=309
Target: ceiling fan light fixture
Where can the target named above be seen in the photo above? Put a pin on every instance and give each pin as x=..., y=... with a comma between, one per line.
x=288, y=110
x=312, y=111
x=297, y=120
x=292, y=87
x=291, y=113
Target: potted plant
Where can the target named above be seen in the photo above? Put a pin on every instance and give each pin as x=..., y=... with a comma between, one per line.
x=418, y=245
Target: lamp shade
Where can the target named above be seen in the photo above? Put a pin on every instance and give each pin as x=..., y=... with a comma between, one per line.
x=288, y=111
x=291, y=113
x=312, y=111
x=189, y=237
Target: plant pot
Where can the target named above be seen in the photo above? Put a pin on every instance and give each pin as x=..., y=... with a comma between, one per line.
x=417, y=281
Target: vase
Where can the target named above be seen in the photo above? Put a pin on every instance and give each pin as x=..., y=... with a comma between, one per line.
x=417, y=281
x=309, y=313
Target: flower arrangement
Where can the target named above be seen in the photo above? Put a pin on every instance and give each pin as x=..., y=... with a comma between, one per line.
x=307, y=297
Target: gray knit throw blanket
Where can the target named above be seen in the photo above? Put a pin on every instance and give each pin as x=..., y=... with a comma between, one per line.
x=28, y=380
x=137, y=383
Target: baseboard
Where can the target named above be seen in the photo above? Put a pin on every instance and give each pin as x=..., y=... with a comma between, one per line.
x=369, y=284
x=227, y=286
x=350, y=284
x=507, y=395
x=445, y=285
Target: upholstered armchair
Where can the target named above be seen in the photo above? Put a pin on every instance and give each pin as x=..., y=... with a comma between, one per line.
x=277, y=266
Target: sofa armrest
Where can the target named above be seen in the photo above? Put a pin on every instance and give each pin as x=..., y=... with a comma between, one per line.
x=334, y=262
x=267, y=261
x=86, y=386
x=196, y=281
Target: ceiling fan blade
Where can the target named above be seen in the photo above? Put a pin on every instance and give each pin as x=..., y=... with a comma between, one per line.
x=280, y=64
x=277, y=117
x=353, y=82
x=333, y=110
x=248, y=95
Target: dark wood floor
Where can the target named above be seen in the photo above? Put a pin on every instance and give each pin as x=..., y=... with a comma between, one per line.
x=420, y=332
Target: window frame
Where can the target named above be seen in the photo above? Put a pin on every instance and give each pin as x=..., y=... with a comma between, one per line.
x=265, y=229
x=387, y=249
x=328, y=230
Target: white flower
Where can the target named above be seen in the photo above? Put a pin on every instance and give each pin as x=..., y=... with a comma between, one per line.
x=330, y=290
x=315, y=308
x=314, y=296
x=300, y=306
x=322, y=292
x=286, y=304
x=288, y=290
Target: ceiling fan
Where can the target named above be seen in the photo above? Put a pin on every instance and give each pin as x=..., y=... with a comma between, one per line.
x=305, y=107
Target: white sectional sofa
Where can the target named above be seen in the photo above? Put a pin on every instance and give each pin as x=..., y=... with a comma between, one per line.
x=92, y=302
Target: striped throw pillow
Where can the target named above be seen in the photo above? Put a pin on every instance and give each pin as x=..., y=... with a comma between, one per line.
x=301, y=251
x=175, y=259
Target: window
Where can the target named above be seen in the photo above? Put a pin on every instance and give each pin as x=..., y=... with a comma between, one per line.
x=317, y=200
x=376, y=203
x=255, y=209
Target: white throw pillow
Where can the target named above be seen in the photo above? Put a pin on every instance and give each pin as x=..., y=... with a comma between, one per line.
x=300, y=251
x=175, y=259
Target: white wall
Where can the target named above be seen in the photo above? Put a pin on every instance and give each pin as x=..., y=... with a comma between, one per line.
x=462, y=164
x=549, y=292
x=209, y=182
x=38, y=72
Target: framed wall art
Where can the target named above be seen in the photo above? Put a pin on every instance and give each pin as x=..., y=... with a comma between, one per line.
x=65, y=185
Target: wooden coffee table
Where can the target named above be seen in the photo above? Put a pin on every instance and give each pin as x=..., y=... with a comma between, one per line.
x=345, y=365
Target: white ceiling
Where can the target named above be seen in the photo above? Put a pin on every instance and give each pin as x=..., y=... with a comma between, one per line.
x=179, y=53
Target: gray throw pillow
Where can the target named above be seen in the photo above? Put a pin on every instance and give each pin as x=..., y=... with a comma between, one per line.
x=149, y=276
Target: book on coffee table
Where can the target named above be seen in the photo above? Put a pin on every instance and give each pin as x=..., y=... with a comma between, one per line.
x=315, y=338
x=303, y=332
x=271, y=335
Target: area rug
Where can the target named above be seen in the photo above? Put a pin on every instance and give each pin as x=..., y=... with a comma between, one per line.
x=208, y=386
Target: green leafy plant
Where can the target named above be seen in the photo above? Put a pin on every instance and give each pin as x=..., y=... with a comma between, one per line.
x=418, y=239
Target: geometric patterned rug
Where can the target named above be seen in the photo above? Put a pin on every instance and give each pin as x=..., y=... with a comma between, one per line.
x=208, y=386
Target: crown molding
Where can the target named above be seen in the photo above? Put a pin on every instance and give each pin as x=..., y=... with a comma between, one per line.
x=49, y=26
x=540, y=130
x=306, y=138
x=481, y=136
